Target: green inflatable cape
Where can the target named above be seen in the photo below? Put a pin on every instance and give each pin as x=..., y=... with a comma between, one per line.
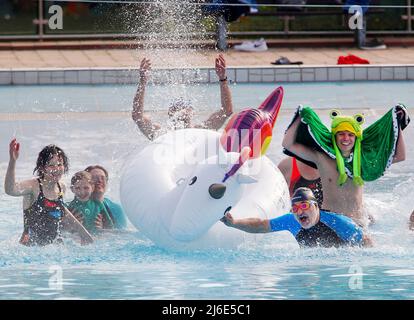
x=377, y=146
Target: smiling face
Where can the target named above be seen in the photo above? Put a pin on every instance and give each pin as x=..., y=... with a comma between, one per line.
x=51, y=164
x=99, y=181
x=54, y=169
x=345, y=141
x=306, y=213
x=82, y=189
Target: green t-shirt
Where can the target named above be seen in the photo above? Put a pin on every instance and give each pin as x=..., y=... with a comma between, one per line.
x=90, y=210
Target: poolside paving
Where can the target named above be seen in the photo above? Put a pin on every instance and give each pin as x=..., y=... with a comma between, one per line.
x=176, y=58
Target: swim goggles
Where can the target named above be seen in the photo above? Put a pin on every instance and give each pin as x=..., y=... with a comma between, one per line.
x=304, y=205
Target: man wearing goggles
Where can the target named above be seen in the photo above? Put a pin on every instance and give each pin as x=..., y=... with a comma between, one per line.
x=309, y=225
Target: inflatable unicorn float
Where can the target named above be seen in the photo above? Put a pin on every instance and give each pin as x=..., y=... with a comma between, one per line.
x=178, y=187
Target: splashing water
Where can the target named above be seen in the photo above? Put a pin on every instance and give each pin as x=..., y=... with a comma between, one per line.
x=130, y=266
x=170, y=32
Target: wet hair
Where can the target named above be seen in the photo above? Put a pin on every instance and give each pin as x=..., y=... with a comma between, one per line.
x=46, y=155
x=79, y=176
x=97, y=166
x=178, y=105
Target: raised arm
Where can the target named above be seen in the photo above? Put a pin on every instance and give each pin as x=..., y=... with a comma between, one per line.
x=251, y=225
x=11, y=187
x=218, y=118
x=143, y=122
x=289, y=143
x=72, y=224
x=400, y=152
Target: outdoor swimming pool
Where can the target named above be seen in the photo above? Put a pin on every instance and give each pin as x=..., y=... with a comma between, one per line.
x=95, y=127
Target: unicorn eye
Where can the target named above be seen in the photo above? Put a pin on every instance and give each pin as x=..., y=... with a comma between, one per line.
x=334, y=113
x=193, y=180
x=359, y=118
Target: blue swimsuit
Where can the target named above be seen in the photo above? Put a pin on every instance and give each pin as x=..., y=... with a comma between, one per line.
x=332, y=230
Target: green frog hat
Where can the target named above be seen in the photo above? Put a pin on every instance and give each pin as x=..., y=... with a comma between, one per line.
x=374, y=150
x=353, y=125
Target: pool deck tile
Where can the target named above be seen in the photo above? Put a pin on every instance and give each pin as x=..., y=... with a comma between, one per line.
x=98, y=66
x=124, y=58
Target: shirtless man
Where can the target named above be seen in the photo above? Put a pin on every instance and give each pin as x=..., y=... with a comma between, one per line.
x=181, y=113
x=345, y=198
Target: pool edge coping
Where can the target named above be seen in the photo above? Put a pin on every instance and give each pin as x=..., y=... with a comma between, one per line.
x=239, y=74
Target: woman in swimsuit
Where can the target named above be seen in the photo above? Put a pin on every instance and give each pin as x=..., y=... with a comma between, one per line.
x=45, y=214
x=298, y=174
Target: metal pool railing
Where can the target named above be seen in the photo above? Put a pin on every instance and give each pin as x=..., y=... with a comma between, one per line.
x=82, y=20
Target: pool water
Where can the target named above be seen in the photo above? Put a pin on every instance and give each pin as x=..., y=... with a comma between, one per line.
x=114, y=98
x=91, y=124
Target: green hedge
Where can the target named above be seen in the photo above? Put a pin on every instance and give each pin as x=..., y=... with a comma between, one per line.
x=16, y=19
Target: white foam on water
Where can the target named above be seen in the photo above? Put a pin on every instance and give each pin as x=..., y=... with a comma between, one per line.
x=213, y=285
x=401, y=272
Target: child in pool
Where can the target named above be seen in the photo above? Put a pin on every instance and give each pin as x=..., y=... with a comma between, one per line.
x=45, y=214
x=92, y=214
